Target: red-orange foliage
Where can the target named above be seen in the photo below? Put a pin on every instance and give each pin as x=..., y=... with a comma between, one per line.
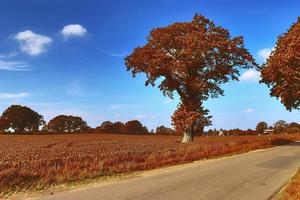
x=37, y=161
x=22, y=119
x=194, y=59
x=64, y=123
x=183, y=119
x=282, y=70
x=134, y=127
x=4, y=124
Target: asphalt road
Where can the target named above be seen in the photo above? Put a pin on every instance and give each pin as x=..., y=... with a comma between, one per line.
x=255, y=175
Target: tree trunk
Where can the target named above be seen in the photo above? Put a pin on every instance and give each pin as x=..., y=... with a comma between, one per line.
x=187, y=137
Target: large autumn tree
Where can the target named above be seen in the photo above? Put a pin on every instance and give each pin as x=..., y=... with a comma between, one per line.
x=281, y=72
x=22, y=119
x=193, y=59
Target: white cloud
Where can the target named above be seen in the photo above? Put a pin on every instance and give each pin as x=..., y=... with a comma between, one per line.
x=73, y=30
x=14, y=65
x=31, y=43
x=13, y=95
x=118, y=115
x=265, y=53
x=140, y=116
x=249, y=110
x=250, y=75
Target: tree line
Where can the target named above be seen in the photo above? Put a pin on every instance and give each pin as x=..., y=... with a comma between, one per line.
x=23, y=120
x=19, y=119
x=262, y=128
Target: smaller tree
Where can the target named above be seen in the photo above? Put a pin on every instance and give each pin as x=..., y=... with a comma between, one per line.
x=110, y=127
x=280, y=127
x=106, y=127
x=162, y=130
x=134, y=127
x=293, y=128
x=70, y=124
x=261, y=127
x=118, y=127
x=23, y=119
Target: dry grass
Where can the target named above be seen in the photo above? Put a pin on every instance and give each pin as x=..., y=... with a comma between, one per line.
x=36, y=162
x=292, y=192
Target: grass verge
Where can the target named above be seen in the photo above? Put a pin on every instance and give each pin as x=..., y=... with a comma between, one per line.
x=292, y=191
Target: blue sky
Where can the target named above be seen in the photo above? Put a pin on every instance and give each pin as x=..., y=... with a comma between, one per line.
x=67, y=57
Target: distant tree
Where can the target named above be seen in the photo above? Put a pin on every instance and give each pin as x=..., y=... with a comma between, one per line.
x=110, y=127
x=295, y=125
x=4, y=125
x=106, y=127
x=162, y=130
x=118, y=127
x=293, y=128
x=193, y=59
x=280, y=127
x=261, y=127
x=64, y=123
x=134, y=127
x=281, y=72
x=210, y=132
x=22, y=119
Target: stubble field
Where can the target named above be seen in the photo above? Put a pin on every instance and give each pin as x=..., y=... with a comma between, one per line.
x=38, y=161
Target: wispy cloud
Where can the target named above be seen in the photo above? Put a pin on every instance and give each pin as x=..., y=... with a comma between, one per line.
x=114, y=107
x=140, y=116
x=121, y=54
x=145, y=116
x=14, y=65
x=31, y=43
x=250, y=75
x=14, y=95
x=123, y=106
x=249, y=110
x=73, y=30
x=8, y=55
x=152, y=117
x=265, y=53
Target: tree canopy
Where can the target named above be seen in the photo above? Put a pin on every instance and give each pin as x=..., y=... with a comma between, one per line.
x=134, y=127
x=22, y=119
x=261, y=127
x=281, y=72
x=280, y=127
x=193, y=59
x=110, y=127
x=67, y=123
